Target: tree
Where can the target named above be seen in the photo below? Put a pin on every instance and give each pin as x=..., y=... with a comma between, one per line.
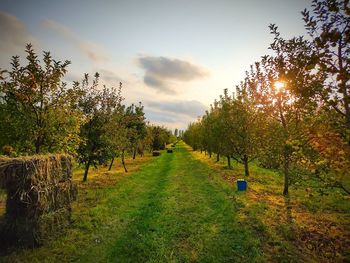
x=208, y=139
x=37, y=111
x=216, y=130
x=176, y=132
x=246, y=128
x=136, y=126
x=193, y=136
x=329, y=27
x=98, y=107
x=327, y=156
x=146, y=142
x=282, y=78
x=160, y=137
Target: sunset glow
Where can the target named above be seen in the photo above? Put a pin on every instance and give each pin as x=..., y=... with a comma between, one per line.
x=174, y=131
x=279, y=86
x=173, y=56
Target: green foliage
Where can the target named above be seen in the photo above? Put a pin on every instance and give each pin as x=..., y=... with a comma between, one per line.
x=233, y=127
x=193, y=135
x=37, y=110
x=39, y=113
x=328, y=26
x=176, y=132
x=292, y=110
x=135, y=124
x=98, y=107
x=160, y=136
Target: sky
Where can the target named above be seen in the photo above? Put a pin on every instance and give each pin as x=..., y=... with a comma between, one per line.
x=175, y=56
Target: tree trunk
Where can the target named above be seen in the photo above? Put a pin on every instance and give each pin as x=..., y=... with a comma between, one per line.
x=110, y=166
x=286, y=173
x=286, y=151
x=217, y=157
x=134, y=154
x=37, y=145
x=246, y=167
x=228, y=161
x=87, y=166
x=123, y=162
x=210, y=155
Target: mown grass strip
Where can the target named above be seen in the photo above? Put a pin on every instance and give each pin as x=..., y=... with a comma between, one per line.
x=174, y=209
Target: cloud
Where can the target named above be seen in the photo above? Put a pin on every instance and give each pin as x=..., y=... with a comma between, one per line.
x=110, y=77
x=159, y=117
x=91, y=50
x=174, y=114
x=158, y=83
x=189, y=108
x=164, y=74
x=15, y=34
x=172, y=68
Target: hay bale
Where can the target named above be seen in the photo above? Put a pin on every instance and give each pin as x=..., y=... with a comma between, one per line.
x=156, y=153
x=39, y=194
x=169, y=151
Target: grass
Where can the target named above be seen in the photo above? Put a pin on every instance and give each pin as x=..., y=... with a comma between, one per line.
x=307, y=226
x=170, y=208
x=184, y=207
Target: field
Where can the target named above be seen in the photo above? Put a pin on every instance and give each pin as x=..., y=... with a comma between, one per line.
x=184, y=207
x=311, y=225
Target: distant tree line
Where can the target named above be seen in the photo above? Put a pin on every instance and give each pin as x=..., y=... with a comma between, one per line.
x=178, y=133
x=291, y=112
x=39, y=113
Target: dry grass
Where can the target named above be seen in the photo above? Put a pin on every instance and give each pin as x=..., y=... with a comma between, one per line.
x=40, y=192
x=306, y=225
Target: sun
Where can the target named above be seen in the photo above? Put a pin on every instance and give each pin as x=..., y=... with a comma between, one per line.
x=279, y=85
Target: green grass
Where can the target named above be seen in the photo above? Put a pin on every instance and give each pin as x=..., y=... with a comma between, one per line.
x=173, y=209
x=184, y=207
x=309, y=225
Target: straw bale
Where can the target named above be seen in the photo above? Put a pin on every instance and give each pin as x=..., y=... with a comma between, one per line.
x=39, y=195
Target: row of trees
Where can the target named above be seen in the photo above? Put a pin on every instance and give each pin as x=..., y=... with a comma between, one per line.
x=178, y=133
x=39, y=113
x=292, y=110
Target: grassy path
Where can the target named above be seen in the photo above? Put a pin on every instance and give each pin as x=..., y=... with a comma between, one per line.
x=172, y=210
x=185, y=216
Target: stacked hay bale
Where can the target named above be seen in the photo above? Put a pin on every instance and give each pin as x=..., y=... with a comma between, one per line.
x=39, y=195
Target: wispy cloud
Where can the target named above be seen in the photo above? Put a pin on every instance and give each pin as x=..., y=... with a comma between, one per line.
x=91, y=50
x=164, y=74
x=189, y=108
x=14, y=34
x=160, y=118
x=174, y=114
x=111, y=77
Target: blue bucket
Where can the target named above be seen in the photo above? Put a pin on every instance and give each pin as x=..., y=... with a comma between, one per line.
x=241, y=185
